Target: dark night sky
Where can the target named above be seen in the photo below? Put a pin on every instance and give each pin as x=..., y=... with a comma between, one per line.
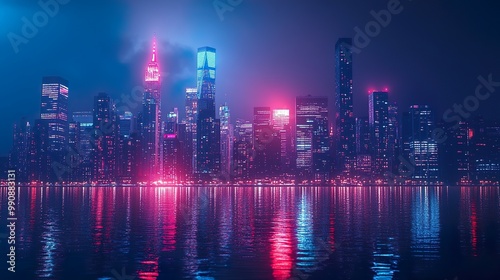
x=269, y=51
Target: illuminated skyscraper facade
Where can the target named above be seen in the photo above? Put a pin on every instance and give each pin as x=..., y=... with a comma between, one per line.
x=226, y=141
x=281, y=124
x=462, y=137
x=266, y=140
x=151, y=120
x=85, y=120
x=363, y=151
x=485, y=151
x=344, y=116
x=172, y=150
x=73, y=155
x=393, y=137
x=191, y=107
x=378, y=116
x=207, y=127
x=105, y=129
x=54, y=111
x=124, y=162
x=423, y=148
x=243, y=152
x=313, y=144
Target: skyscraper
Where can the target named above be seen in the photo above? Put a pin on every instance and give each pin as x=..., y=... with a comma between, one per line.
x=85, y=146
x=313, y=145
x=73, y=157
x=151, y=119
x=485, y=151
x=19, y=155
x=344, y=117
x=172, y=152
x=54, y=111
x=266, y=140
x=281, y=124
x=454, y=153
x=378, y=117
x=191, y=105
x=422, y=147
x=363, y=151
x=226, y=141
x=243, y=152
x=39, y=156
x=105, y=130
x=462, y=140
x=126, y=119
x=393, y=137
x=124, y=154
x=208, y=127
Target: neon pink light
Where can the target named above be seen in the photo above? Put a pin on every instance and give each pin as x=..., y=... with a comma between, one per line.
x=152, y=71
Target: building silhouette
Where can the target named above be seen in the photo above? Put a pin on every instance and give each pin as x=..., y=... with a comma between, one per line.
x=85, y=145
x=243, y=152
x=172, y=149
x=19, y=155
x=54, y=112
x=363, y=148
x=267, y=151
x=344, y=115
x=105, y=138
x=378, y=117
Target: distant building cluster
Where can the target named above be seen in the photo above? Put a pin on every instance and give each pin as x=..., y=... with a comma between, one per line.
x=111, y=145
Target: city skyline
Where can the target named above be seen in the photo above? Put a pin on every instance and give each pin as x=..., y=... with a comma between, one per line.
x=123, y=56
x=146, y=146
x=255, y=139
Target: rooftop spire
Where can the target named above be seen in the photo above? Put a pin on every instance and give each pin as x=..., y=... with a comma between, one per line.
x=153, y=59
x=152, y=71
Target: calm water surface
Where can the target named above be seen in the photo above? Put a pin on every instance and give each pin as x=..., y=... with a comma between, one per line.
x=255, y=233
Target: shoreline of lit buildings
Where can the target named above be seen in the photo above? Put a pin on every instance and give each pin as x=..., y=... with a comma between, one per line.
x=113, y=146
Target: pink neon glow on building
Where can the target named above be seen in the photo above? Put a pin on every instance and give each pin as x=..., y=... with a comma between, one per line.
x=151, y=129
x=153, y=71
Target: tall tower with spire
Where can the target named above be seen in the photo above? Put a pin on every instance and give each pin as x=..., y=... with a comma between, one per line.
x=207, y=126
x=150, y=121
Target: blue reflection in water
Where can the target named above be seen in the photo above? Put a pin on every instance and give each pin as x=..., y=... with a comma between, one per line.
x=189, y=216
x=257, y=233
x=425, y=224
x=225, y=227
x=305, y=237
x=49, y=240
x=385, y=259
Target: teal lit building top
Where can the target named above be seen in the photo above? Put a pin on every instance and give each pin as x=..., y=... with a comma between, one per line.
x=206, y=72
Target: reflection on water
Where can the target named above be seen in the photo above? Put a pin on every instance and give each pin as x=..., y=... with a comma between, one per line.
x=425, y=227
x=256, y=233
